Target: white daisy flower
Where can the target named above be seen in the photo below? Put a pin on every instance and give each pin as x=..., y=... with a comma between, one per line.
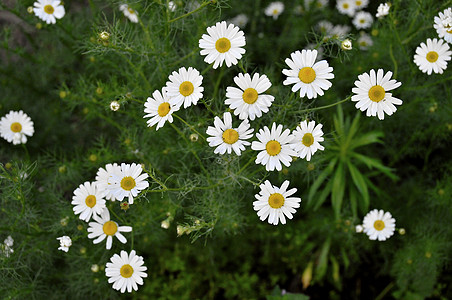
x=65, y=243
x=223, y=43
x=320, y=50
x=172, y=6
x=185, y=86
x=130, y=13
x=360, y=4
x=88, y=201
x=346, y=7
x=318, y=3
x=240, y=20
x=6, y=249
x=275, y=203
x=16, y=126
x=443, y=24
x=129, y=183
x=306, y=139
x=247, y=101
x=274, y=147
x=9, y=241
x=383, y=10
x=226, y=138
x=371, y=93
x=365, y=41
x=433, y=56
x=308, y=76
x=363, y=20
x=103, y=228
x=325, y=27
x=274, y=9
x=103, y=176
x=339, y=31
x=126, y=271
x=159, y=108
x=359, y=228
x=49, y=10
x=379, y=225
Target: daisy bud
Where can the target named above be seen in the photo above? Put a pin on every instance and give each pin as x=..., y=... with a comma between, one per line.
x=440, y=192
x=402, y=231
x=95, y=268
x=92, y=157
x=359, y=228
x=30, y=9
x=63, y=94
x=65, y=243
x=346, y=45
x=180, y=230
x=194, y=137
x=64, y=221
x=114, y=105
x=310, y=167
x=62, y=169
x=83, y=250
x=165, y=224
x=8, y=165
x=104, y=36
x=80, y=227
x=99, y=90
x=428, y=254
x=38, y=25
x=125, y=205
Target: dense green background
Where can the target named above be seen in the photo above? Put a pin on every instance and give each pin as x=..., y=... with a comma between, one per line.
x=64, y=78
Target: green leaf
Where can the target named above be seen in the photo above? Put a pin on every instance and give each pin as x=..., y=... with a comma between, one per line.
x=320, y=179
x=337, y=193
x=323, y=260
x=353, y=129
x=360, y=183
x=323, y=195
x=353, y=201
x=374, y=163
x=367, y=138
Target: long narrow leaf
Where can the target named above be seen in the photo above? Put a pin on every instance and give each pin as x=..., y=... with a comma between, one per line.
x=337, y=193
x=360, y=183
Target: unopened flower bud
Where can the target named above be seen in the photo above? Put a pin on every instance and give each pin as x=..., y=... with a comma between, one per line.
x=346, y=45
x=194, y=137
x=104, y=36
x=114, y=105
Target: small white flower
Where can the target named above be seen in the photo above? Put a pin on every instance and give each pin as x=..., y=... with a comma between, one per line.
x=379, y=225
x=274, y=147
x=88, y=200
x=49, y=10
x=6, y=249
x=339, y=32
x=103, y=176
x=443, y=25
x=371, y=93
x=306, y=139
x=103, y=228
x=360, y=4
x=382, y=10
x=359, y=228
x=363, y=20
x=159, y=108
x=172, y=6
x=346, y=7
x=126, y=271
x=129, y=183
x=226, y=138
x=240, y=20
x=346, y=44
x=185, y=86
x=114, y=105
x=248, y=101
x=130, y=13
x=223, y=43
x=325, y=27
x=65, y=243
x=9, y=241
x=275, y=203
x=365, y=41
x=95, y=268
x=15, y=127
x=274, y=9
x=165, y=224
x=307, y=75
x=433, y=56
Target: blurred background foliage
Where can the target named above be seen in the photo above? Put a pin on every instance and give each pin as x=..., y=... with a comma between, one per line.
x=65, y=76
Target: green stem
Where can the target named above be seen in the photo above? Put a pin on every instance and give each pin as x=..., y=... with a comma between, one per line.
x=394, y=61
x=184, y=58
x=117, y=217
x=323, y=107
x=191, y=12
x=191, y=127
x=241, y=67
x=154, y=178
x=385, y=291
x=246, y=165
x=208, y=107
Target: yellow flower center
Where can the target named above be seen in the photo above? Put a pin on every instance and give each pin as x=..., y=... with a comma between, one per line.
x=362, y=21
x=128, y=183
x=230, y=136
x=307, y=139
x=250, y=95
x=276, y=200
x=163, y=109
x=126, y=271
x=377, y=93
x=223, y=45
x=131, y=10
x=307, y=75
x=432, y=56
x=379, y=225
x=90, y=201
x=49, y=9
x=273, y=147
x=110, y=228
x=358, y=3
x=363, y=43
x=275, y=11
x=16, y=127
x=345, y=5
x=450, y=30
x=186, y=88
